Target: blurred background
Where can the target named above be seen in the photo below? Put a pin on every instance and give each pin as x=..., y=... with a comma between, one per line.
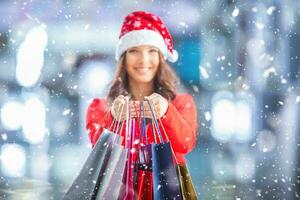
x=239, y=59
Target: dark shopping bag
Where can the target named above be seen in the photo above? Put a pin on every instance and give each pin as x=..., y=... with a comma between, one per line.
x=165, y=180
x=187, y=189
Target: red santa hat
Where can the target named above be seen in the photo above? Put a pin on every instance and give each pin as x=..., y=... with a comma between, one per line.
x=144, y=28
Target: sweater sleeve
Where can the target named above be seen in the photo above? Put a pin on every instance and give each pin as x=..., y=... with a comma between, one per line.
x=97, y=117
x=180, y=123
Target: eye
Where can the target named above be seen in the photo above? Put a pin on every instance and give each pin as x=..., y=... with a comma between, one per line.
x=132, y=51
x=153, y=50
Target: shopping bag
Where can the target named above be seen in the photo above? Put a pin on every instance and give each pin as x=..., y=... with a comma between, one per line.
x=187, y=189
x=111, y=177
x=103, y=168
x=116, y=181
x=165, y=180
x=127, y=187
x=111, y=187
x=186, y=185
x=144, y=178
x=84, y=186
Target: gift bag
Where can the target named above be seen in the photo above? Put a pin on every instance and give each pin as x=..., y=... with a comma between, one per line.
x=144, y=180
x=111, y=181
x=187, y=189
x=85, y=185
x=102, y=166
x=111, y=178
x=186, y=185
x=165, y=180
x=127, y=188
x=115, y=183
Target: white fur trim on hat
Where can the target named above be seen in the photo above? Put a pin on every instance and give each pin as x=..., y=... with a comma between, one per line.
x=144, y=37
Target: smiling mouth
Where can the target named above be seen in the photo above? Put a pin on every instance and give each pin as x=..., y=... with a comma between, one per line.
x=142, y=69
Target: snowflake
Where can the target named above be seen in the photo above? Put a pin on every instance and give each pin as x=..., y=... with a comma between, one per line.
x=298, y=99
x=4, y=136
x=203, y=72
x=133, y=150
x=207, y=116
x=235, y=12
x=259, y=25
x=66, y=112
x=271, y=10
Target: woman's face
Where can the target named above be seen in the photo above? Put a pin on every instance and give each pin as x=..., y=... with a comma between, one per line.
x=142, y=63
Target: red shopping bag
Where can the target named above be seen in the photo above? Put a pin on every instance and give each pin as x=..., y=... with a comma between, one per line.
x=144, y=178
x=144, y=184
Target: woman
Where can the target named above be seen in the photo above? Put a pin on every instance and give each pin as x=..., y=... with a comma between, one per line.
x=142, y=71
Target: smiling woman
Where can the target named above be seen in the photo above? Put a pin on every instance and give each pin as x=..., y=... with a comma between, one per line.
x=143, y=75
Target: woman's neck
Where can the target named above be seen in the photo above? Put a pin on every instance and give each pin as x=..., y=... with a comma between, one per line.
x=140, y=90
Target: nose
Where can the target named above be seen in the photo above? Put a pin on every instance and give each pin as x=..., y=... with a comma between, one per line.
x=145, y=56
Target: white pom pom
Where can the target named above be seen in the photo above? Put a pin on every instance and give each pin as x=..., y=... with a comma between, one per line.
x=173, y=57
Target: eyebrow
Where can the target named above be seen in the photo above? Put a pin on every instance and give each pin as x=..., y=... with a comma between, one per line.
x=150, y=47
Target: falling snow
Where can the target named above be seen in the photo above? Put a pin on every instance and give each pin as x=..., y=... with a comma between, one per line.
x=215, y=63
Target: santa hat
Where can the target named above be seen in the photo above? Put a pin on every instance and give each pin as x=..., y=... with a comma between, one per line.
x=144, y=28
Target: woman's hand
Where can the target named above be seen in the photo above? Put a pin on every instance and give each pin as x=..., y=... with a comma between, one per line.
x=120, y=106
x=158, y=104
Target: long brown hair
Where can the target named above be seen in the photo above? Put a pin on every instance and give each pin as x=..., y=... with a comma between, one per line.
x=165, y=80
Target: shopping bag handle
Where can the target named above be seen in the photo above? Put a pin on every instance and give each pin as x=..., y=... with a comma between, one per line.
x=143, y=132
x=158, y=119
x=152, y=109
x=144, y=123
x=128, y=124
x=155, y=123
x=115, y=126
x=140, y=119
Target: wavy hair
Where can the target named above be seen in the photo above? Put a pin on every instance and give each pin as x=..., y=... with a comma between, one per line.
x=165, y=80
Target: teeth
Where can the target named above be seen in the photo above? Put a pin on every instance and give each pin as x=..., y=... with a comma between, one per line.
x=142, y=69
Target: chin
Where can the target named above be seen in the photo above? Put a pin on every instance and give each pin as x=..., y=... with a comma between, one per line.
x=144, y=81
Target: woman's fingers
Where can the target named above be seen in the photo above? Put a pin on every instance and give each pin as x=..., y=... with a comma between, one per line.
x=120, y=107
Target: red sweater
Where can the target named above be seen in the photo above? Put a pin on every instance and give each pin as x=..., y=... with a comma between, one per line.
x=180, y=123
